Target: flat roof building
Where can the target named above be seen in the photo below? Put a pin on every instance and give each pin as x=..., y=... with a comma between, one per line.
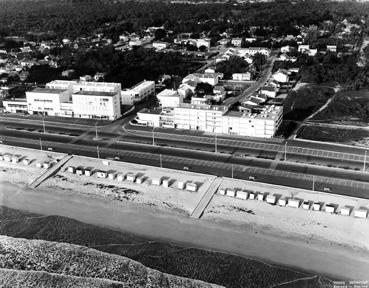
x=138, y=92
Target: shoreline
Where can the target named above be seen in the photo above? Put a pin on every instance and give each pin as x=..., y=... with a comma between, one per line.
x=204, y=234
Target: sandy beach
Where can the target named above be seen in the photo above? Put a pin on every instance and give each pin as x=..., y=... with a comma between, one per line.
x=333, y=245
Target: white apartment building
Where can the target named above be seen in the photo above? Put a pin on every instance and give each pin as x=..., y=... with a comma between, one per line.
x=46, y=101
x=169, y=98
x=138, y=92
x=264, y=124
x=158, y=45
x=71, y=99
x=216, y=118
x=96, y=105
x=199, y=117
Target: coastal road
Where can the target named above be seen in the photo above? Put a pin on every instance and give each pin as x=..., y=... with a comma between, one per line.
x=272, y=149
x=298, y=175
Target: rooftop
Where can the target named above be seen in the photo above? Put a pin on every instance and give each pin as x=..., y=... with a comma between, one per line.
x=48, y=90
x=95, y=93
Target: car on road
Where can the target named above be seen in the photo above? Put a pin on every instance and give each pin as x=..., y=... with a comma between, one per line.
x=252, y=178
x=186, y=168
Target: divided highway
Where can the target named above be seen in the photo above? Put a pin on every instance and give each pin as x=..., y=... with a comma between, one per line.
x=79, y=141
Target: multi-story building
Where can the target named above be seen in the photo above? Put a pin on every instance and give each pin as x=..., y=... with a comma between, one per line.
x=169, y=98
x=98, y=100
x=46, y=101
x=263, y=122
x=96, y=105
x=138, y=92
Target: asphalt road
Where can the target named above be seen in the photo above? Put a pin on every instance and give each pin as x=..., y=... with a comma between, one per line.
x=264, y=170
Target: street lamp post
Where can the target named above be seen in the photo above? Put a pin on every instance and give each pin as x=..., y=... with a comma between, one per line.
x=232, y=171
x=96, y=135
x=216, y=143
x=43, y=124
x=285, y=151
x=161, y=161
x=40, y=144
x=98, y=152
x=364, y=168
x=313, y=182
x=153, y=135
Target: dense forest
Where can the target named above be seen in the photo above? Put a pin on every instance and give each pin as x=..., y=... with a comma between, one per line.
x=57, y=19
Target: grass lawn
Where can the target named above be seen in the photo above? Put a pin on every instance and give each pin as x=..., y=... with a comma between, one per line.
x=347, y=107
x=336, y=135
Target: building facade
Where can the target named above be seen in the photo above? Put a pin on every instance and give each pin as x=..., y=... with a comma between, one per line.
x=137, y=93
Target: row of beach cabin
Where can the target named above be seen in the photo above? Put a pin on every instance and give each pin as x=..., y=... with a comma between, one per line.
x=132, y=177
x=292, y=202
x=24, y=160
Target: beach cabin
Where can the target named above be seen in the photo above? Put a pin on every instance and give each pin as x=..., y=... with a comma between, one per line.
x=361, y=213
x=15, y=159
x=88, y=172
x=346, y=211
x=131, y=177
x=222, y=191
x=166, y=183
x=294, y=203
x=101, y=174
x=46, y=165
x=191, y=187
x=231, y=192
x=181, y=185
x=241, y=195
x=260, y=196
x=329, y=208
x=251, y=195
x=70, y=169
x=306, y=205
x=120, y=177
x=140, y=179
x=26, y=162
x=111, y=175
x=271, y=199
x=79, y=171
x=156, y=181
x=8, y=158
x=282, y=202
x=316, y=206
x=39, y=165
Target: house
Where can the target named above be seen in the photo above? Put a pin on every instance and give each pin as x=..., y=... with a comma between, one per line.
x=158, y=45
x=169, y=98
x=241, y=76
x=203, y=42
x=332, y=48
x=224, y=41
x=303, y=48
x=269, y=91
x=281, y=76
x=236, y=42
x=286, y=49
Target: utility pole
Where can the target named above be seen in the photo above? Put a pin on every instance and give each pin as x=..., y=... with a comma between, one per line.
x=364, y=168
x=285, y=151
x=40, y=144
x=232, y=171
x=216, y=143
x=98, y=152
x=153, y=135
x=313, y=182
x=43, y=124
x=96, y=136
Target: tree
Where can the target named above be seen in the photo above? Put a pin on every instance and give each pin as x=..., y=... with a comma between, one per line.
x=203, y=48
x=203, y=88
x=160, y=34
x=235, y=64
